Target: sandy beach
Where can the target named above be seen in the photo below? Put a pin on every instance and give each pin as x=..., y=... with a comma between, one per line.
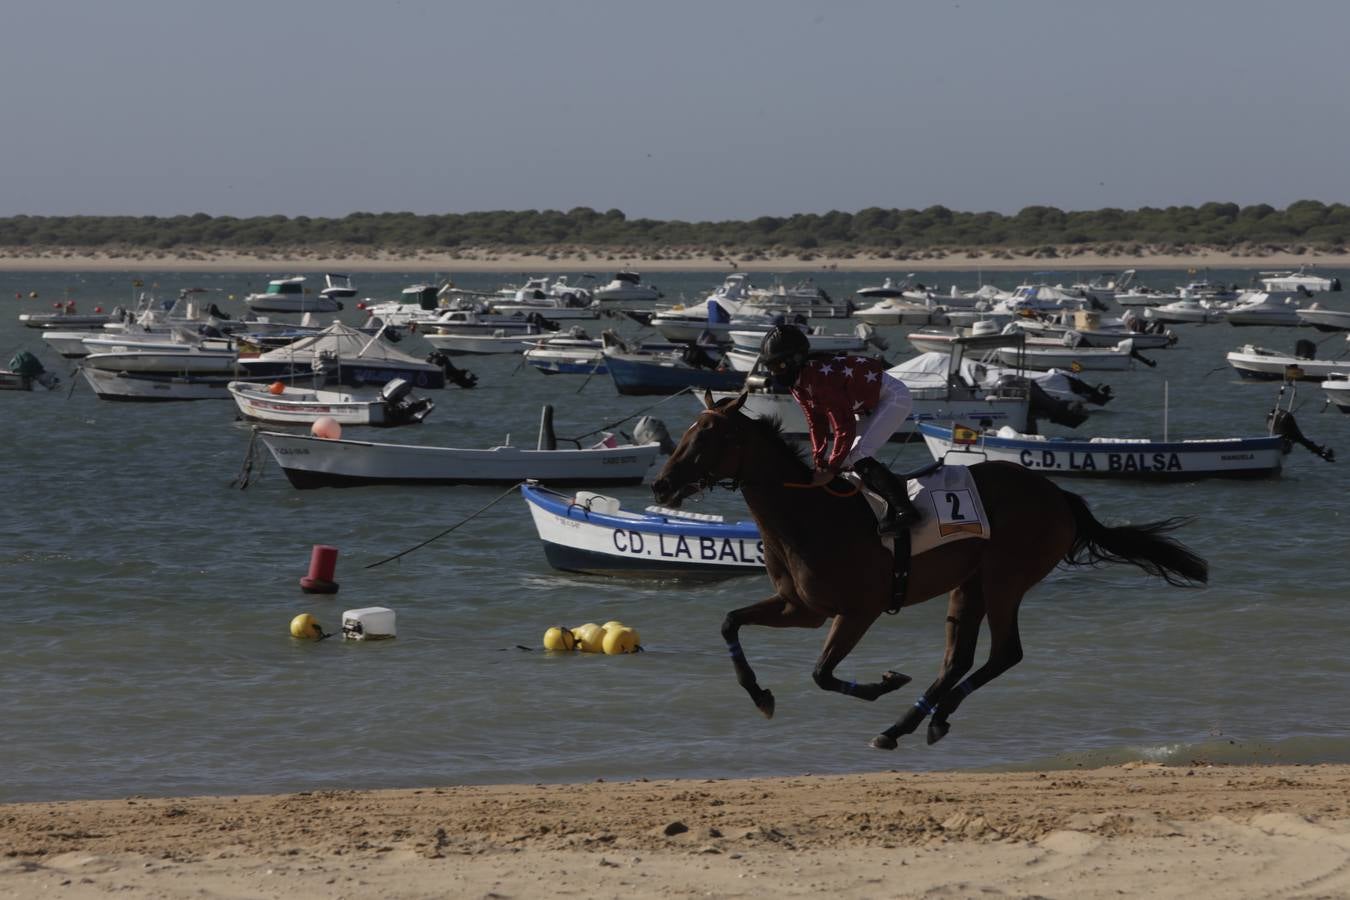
x=603, y=261
x=1135, y=830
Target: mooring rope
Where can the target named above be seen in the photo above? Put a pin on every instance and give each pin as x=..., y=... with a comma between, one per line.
x=511, y=490
x=608, y=426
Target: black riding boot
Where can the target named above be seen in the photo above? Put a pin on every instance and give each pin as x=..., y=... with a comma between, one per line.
x=900, y=513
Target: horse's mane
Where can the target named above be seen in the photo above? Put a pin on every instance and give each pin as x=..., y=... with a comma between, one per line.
x=770, y=428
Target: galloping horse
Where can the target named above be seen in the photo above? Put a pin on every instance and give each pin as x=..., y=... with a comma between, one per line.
x=826, y=561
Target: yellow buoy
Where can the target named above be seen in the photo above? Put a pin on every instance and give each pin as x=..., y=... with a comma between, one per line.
x=590, y=638
x=620, y=640
x=558, y=638
x=306, y=627
x=613, y=623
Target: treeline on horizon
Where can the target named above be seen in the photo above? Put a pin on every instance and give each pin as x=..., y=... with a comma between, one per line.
x=1226, y=225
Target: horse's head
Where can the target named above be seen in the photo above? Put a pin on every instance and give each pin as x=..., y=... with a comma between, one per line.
x=712, y=449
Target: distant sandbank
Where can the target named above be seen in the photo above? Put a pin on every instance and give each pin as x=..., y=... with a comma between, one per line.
x=602, y=262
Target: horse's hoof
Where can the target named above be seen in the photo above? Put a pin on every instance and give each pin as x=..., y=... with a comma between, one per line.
x=937, y=731
x=765, y=703
x=892, y=680
x=884, y=742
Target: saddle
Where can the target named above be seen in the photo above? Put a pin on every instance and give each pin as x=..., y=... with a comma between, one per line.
x=900, y=544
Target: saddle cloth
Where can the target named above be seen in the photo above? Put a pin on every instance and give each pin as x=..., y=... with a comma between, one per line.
x=951, y=507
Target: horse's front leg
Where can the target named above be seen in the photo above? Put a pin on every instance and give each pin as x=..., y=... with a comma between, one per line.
x=843, y=637
x=775, y=612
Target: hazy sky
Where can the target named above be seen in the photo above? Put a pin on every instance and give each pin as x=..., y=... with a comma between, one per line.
x=684, y=109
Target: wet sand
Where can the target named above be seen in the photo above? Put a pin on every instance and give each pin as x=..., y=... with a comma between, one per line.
x=1135, y=830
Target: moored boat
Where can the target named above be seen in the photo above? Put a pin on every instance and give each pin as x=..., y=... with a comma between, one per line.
x=277, y=403
x=1260, y=363
x=311, y=462
x=1102, y=457
x=591, y=533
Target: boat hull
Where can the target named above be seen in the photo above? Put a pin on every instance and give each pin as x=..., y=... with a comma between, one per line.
x=1260, y=457
x=664, y=376
x=311, y=462
x=620, y=543
x=150, y=387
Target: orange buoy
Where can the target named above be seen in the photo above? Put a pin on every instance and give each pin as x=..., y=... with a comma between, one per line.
x=276, y=388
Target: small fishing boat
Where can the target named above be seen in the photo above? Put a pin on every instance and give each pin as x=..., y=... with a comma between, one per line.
x=1252, y=361
x=393, y=404
x=1324, y=318
x=593, y=534
x=156, y=386
x=311, y=462
x=24, y=371
x=65, y=317
x=1103, y=457
x=1271, y=308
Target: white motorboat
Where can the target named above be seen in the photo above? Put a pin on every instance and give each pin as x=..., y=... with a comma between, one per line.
x=1263, y=364
x=1337, y=388
x=900, y=311
x=155, y=386
x=1087, y=328
x=627, y=287
x=482, y=343
x=890, y=289
x=1319, y=317
x=1270, y=308
x=1310, y=282
x=288, y=295
x=1101, y=457
x=310, y=462
x=572, y=353
x=1188, y=310
x=591, y=533
x=805, y=298
x=277, y=403
x=207, y=357
x=1046, y=356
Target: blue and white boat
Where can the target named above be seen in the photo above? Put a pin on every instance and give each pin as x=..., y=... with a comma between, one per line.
x=591, y=533
x=1130, y=458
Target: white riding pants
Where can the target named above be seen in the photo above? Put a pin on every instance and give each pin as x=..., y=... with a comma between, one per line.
x=875, y=430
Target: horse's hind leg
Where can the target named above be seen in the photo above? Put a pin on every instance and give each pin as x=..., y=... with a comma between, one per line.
x=965, y=611
x=775, y=612
x=844, y=635
x=1005, y=651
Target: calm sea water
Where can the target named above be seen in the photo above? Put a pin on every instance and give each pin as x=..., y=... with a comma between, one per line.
x=146, y=602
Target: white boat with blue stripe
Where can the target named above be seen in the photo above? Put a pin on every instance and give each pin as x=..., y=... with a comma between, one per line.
x=592, y=534
x=1128, y=458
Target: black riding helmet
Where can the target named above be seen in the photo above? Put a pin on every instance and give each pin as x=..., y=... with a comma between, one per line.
x=784, y=353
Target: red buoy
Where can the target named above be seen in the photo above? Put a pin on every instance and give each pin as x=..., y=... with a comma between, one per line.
x=322, y=563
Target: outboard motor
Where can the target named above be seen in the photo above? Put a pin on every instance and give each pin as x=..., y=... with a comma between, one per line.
x=403, y=407
x=462, y=377
x=649, y=429
x=1282, y=423
x=26, y=365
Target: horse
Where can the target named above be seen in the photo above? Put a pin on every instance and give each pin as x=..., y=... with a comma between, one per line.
x=825, y=561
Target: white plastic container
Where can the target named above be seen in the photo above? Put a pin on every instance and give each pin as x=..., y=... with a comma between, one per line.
x=373, y=623
x=597, y=503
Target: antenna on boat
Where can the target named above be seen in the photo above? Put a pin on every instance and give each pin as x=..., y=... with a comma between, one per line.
x=1166, y=386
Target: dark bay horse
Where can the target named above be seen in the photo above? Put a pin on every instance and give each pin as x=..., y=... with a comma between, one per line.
x=825, y=561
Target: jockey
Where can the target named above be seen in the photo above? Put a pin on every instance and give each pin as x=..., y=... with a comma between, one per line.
x=832, y=390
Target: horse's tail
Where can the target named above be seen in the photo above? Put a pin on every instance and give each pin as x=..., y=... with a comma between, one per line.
x=1146, y=546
